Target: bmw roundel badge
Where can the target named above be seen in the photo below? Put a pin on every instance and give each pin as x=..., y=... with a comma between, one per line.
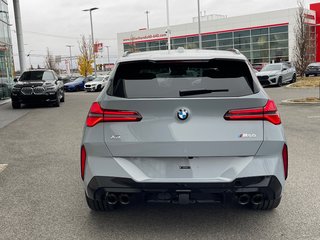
x=183, y=114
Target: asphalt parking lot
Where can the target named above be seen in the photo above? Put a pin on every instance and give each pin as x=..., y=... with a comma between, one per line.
x=41, y=194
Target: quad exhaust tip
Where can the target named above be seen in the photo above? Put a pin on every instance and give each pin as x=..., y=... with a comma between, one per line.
x=111, y=198
x=244, y=199
x=257, y=199
x=124, y=199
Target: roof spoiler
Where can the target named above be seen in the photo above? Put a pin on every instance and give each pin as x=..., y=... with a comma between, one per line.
x=236, y=51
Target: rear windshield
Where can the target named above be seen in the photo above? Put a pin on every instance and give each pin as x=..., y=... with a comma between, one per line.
x=180, y=79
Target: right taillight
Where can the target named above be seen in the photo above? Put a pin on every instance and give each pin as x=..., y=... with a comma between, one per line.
x=97, y=115
x=285, y=160
x=269, y=113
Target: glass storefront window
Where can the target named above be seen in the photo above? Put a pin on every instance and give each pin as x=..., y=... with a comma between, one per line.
x=281, y=29
x=245, y=40
x=227, y=42
x=6, y=57
x=225, y=35
x=260, y=54
x=153, y=46
x=275, y=53
x=261, y=31
x=209, y=44
x=209, y=37
x=242, y=48
x=260, y=39
x=241, y=34
x=260, y=60
x=163, y=44
x=279, y=37
x=141, y=46
x=258, y=45
x=179, y=41
x=279, y=44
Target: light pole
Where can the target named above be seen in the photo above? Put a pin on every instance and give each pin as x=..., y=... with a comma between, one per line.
x=168, y=31
x=147, y=12
x=199, y=25
x=108, y=53
x=70, y=63
x=92, y=38
x=17, y=15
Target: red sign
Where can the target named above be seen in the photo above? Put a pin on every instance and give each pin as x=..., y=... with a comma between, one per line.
x=98, y=47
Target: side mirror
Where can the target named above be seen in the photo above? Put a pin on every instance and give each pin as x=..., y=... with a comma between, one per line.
x=15, y=80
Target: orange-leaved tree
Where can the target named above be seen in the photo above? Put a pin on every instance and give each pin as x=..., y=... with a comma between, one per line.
x=85, y=60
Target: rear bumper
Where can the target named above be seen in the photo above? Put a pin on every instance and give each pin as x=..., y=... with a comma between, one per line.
x=90, y=89
x=268, y=186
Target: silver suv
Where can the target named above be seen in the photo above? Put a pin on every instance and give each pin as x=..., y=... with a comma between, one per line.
x=190, y=126
x=277, y=74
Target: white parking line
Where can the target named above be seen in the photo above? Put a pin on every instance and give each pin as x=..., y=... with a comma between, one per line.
x=313, y=116
x=3, y=167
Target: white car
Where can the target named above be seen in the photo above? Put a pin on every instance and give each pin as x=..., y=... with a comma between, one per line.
x=277, y=74
x=97, y=84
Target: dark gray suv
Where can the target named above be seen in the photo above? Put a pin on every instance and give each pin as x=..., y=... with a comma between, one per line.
x=38, y=86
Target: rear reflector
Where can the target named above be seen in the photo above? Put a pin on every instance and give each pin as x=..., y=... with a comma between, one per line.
x=269, y=113
x=83, y=161
x=285, y=160
x=97, y=115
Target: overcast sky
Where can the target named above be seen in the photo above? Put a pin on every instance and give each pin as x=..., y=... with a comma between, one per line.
x=56, y=23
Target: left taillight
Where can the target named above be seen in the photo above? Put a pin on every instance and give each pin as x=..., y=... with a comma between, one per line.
x=83, y=161
x=98, y=114
x=269, y=113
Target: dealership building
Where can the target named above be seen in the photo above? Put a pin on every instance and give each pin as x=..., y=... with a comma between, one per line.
x=6, y=56
x=263, y=37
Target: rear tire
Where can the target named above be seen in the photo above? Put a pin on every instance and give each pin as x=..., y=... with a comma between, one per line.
x=16, y=105
x=99, y=205
x=307, y=75
x=268, y=204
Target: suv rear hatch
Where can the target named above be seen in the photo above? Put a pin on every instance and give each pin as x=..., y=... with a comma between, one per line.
x=207, y=90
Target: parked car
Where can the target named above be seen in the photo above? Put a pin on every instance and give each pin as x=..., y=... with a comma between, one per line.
x=183, y=127
x=97, y=84
x=77, y=84
x=313, y=69
x=36, y=86
x=277, y=74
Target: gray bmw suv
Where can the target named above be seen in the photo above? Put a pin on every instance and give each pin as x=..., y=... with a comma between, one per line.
x=186, y=126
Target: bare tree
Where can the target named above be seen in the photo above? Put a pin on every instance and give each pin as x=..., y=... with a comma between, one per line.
x=50, y=62
x=304, y=45
x=85, y=59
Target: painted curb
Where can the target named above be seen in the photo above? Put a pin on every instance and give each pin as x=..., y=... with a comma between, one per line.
x=290, y=86
x=2, y=102
x=291, y=102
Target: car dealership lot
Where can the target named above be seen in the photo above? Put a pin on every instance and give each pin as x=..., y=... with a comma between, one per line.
x=41, y=196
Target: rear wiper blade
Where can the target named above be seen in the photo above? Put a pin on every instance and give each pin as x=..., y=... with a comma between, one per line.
x=200, y=91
